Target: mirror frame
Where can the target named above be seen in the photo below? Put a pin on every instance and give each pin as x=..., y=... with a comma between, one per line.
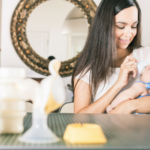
x=21, y=43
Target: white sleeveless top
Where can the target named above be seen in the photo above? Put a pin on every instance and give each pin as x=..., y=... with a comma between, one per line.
x=142, y=53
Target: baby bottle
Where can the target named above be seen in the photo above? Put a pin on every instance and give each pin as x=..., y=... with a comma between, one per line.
x=14, y=90
x=140, y=67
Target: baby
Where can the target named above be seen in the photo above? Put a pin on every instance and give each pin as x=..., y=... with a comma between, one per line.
x=138, y=89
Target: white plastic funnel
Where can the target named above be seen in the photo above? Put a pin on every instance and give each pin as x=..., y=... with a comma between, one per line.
x=39, y=132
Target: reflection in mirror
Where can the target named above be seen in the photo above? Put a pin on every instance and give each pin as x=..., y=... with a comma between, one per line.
x=57, y=28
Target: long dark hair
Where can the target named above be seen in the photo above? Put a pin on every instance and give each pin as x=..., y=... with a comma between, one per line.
x=100, y=53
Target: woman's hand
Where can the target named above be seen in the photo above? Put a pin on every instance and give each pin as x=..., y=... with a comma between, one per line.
x=126, y=107
x=127, y=68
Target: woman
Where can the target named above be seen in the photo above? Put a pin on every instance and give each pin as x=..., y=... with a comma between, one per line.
x=105, y=66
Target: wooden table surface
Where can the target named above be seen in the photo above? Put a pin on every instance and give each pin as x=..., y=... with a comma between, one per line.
x=125, y=132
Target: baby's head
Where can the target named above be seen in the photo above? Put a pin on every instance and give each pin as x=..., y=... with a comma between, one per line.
x=143, y=71
x=145, y=74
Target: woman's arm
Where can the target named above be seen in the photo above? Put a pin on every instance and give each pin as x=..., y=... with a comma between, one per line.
x=83, y=97
x=82, y=93
x=131, y=93
x=140, y=105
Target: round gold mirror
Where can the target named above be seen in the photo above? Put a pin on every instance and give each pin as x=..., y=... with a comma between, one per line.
x=57, y=28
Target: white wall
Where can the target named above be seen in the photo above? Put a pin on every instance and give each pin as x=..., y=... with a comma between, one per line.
x=0, y=20
x=9, y=57
x=50, y=16
x=8, y=52
x=0, y=28
x=145, y=7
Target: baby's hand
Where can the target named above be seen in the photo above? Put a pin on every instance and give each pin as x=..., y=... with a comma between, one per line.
x=109, y=108
x=145, y=92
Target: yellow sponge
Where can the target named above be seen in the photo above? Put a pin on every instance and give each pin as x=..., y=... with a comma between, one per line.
x=84, y=134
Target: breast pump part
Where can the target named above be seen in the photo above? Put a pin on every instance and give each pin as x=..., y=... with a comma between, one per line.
x=12, y=106
x=140, y=66
x=50, y=92
x=14, y=92
x=12, y=110
x=11, y=123
x=39, y=131
x=12, y=73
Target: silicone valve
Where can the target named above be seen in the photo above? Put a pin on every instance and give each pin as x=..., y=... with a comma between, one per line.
x=140, y=66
